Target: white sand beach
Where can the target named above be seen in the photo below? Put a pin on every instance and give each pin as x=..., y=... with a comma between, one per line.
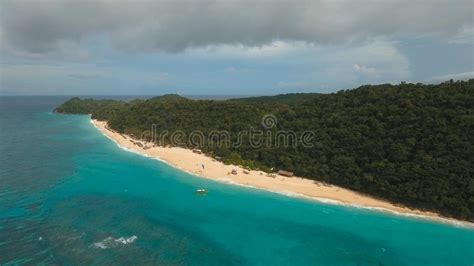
x=204, y=166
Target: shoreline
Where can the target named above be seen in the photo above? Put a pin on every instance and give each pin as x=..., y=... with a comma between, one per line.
x=203, y=166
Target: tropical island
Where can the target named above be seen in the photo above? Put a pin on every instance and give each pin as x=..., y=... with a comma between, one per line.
x=397, y=146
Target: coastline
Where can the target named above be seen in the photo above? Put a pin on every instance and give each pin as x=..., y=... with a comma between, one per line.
x=203, y=166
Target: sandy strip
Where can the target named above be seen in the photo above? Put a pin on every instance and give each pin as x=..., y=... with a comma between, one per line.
x=187, y=160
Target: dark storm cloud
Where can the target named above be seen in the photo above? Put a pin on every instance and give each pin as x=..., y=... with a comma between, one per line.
x=44, y=26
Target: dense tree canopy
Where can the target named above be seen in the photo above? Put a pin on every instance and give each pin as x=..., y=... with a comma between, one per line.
x=411, y=143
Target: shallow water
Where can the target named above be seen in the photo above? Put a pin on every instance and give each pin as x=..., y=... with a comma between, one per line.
x=70, y=195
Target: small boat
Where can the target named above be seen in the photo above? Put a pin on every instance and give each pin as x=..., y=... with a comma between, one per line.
x=201, y=191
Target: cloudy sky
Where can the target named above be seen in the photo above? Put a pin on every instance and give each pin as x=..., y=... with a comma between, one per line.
x=234, y=47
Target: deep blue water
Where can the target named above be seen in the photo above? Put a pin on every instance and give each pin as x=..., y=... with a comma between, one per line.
x=68, y=195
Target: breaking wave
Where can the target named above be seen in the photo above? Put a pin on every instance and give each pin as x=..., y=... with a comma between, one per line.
x=111, y=242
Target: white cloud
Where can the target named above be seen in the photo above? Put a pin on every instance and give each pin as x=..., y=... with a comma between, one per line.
x=328, y=68
x=270, y=50
x=365, y=70
x=379, y=61
x=40, y=27
x=233, y=69
x=464, y=36
x=456, y=76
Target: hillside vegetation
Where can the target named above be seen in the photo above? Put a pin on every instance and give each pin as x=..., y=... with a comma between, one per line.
x=410, y=143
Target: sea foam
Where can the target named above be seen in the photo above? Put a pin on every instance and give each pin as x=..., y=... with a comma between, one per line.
x=111, y=242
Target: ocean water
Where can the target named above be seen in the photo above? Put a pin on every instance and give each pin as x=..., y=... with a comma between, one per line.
x=69, y=195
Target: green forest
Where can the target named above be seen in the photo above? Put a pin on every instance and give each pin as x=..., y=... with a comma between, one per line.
x=411, y=144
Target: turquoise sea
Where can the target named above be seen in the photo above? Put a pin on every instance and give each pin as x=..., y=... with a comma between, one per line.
x=68, y=195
